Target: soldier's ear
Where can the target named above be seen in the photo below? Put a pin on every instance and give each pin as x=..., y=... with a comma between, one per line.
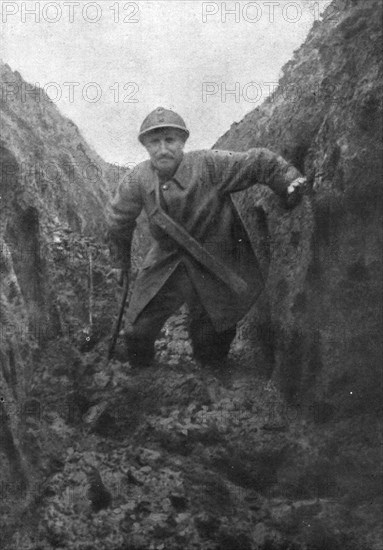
x=182, y=135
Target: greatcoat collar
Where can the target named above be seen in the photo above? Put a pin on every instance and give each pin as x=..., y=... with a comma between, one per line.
x=182, y=174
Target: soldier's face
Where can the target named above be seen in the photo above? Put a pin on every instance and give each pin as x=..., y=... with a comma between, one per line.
x=165, y=148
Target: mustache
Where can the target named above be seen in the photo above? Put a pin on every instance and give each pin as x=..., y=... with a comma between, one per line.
x=163, y=157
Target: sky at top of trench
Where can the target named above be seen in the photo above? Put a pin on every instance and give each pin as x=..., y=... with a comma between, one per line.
x=107, y=64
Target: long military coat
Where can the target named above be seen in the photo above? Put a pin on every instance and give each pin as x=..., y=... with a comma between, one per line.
x=198, y=198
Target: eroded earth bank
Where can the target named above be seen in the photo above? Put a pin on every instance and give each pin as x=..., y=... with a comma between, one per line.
x=281, y=450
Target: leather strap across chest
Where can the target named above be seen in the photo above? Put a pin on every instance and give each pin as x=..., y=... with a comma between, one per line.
x=194, y=248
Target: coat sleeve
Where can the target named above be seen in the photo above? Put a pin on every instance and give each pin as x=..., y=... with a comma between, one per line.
x=233, y=172
x=122, y=212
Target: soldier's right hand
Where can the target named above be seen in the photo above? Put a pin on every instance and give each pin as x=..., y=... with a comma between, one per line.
x=120, y=275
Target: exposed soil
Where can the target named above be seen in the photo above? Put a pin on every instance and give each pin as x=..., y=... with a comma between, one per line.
x=189, y=458
x=278, y=450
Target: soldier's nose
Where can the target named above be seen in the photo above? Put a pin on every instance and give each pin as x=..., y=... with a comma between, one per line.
x=162, y=148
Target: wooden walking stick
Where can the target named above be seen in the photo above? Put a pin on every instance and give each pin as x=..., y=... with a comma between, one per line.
x=117, y=324
x=93, y=414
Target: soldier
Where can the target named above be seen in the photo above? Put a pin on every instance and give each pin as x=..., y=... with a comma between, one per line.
x=202, y=255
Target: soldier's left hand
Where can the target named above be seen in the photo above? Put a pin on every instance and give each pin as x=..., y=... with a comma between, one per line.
x=295, y=192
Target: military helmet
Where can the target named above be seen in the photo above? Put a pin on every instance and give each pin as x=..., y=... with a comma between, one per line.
x=162, y=118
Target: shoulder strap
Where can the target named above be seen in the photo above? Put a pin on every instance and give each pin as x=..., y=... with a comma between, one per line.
x=195, y=249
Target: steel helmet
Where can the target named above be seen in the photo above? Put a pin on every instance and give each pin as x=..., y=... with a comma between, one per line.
x=162, y=118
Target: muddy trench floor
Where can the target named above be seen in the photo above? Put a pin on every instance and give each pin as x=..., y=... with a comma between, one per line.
x=179, y=457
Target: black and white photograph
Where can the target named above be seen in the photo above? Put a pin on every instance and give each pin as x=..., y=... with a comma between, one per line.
x=191, y=269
